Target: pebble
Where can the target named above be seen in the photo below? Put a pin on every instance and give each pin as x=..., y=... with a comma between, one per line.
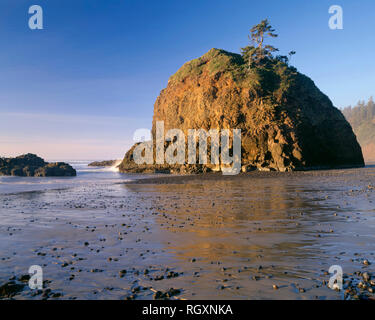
x=366, y=276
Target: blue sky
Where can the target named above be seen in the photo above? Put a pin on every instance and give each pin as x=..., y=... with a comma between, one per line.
x=80, y=87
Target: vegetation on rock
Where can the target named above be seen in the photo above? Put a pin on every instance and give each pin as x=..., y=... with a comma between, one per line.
x=362, y=119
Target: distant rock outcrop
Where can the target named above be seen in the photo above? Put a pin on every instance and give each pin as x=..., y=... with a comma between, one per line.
x=286, y=122
x=362, y=119
x=105, y=163
x=30, y=165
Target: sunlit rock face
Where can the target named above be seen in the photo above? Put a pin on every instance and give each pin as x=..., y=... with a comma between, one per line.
x=286, y=122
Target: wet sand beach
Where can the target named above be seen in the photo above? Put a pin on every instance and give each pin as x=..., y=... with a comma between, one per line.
x=261, y=235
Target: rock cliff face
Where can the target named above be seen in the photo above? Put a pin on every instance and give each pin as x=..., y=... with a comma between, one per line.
x=286, y=122
x=30, y=165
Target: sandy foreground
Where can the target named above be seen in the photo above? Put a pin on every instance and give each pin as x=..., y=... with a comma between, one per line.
x=252, y=236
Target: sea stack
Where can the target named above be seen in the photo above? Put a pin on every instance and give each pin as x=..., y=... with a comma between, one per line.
x=286, y=122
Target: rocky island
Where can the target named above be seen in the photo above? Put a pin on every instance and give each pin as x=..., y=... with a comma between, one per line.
x=30, y=165
x=105, y=163
x=286, y=122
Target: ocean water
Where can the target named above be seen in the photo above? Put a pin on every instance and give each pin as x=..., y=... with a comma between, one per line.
x=85, y=176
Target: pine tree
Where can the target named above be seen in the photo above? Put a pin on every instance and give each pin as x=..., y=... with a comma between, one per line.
x=258, y=52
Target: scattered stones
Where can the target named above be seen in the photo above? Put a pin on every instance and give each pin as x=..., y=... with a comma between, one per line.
x=359, y=286
x=172, y=274
x=167, y=294
x=10, y=289
x=96, y=270
x=59, y=251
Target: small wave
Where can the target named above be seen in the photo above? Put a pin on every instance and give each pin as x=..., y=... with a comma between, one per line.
x=115, y=166
x=86, y=168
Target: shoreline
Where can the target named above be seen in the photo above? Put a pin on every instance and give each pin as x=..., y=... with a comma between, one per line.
x=218, y=176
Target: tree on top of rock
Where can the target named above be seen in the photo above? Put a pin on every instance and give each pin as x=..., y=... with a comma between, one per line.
x=258, y=35
x=258, y=53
